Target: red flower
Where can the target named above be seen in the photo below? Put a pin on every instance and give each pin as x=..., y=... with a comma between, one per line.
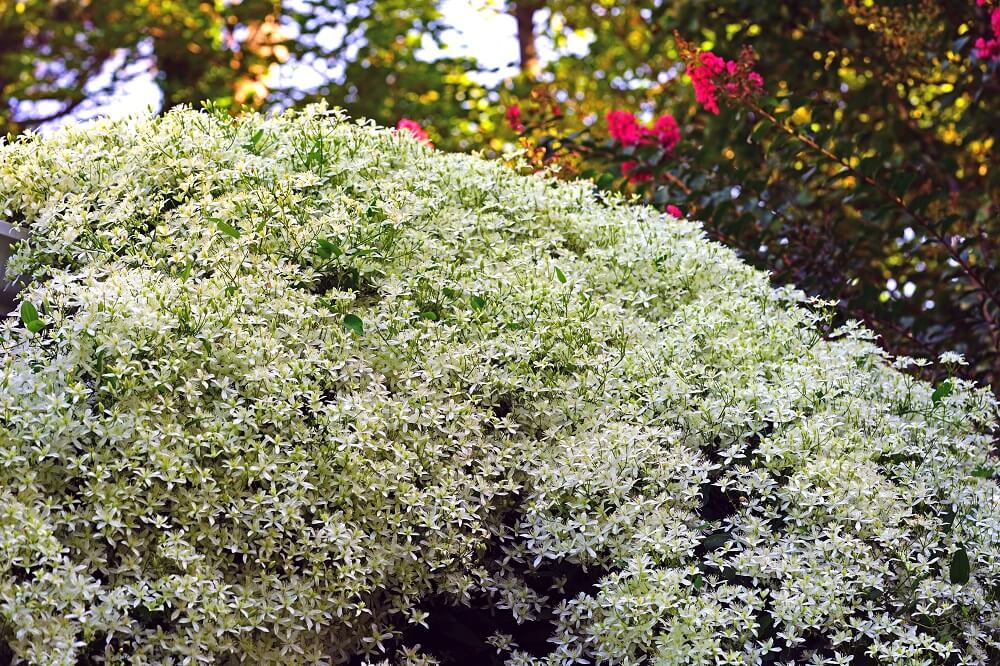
x=414, y=128
x=634, y=174
x=513, y=117
x=668, y=134
x=675, y=211
x=623, y=127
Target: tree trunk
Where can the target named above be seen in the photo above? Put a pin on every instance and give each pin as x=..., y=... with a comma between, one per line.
x=524, y=14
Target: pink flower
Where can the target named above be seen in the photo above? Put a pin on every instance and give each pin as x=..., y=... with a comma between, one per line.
x=513, y=117
x=987, y=49
x=634, y=174
x=709, y=74
x=714, y=63
x=704, y=86
x=675, y=211
x=668, y=134
x=623, y=127
x=414, y=128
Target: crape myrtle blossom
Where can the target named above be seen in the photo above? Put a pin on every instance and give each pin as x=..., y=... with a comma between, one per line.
x=636, y=173
x=712, y=75
x=624, y=128
x=414, y=128
x=513, y=118
x=988, y=48
x=274, y=402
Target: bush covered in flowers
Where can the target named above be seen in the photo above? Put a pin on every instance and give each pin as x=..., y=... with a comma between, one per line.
x=292, y=390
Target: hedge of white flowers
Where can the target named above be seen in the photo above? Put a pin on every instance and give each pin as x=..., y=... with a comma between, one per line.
x=277, y=382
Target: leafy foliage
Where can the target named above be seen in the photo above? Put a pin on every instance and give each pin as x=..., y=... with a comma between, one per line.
x=415, y=390
x=58, y=58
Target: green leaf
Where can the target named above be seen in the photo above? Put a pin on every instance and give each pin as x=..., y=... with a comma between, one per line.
x=353, y=323
x=28, y=312
x=477, y=302
x=942, y=391
x=186, y=273
x=228, y=229
x=921, y=203
x=714, y=541
x=560, y=275
x=326, y=248
x=429, y=315
x=900, y=185
x=698, y=582
x=960, y=567
x=983, y=473
x=29, y=315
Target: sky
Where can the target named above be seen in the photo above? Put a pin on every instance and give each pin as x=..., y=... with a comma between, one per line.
x=480, y=30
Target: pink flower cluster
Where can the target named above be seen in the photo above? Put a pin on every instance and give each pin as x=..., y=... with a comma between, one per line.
x=711, y=72
x=987, y=49
x=414, y=128
x=624, y=128
x=513, y=117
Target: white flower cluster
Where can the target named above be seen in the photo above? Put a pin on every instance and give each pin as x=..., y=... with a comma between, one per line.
x=291, y=377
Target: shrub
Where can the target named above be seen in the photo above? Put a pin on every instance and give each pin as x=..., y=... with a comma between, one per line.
x=281, y=385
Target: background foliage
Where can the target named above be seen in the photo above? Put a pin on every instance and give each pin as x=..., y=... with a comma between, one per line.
x=864, y=173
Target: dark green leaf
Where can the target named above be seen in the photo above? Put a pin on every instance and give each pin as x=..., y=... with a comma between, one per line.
x=715, y=541
x=353, y=323
x=900, y=185
x=429, y=315
x=920, y=204
x=960, y=567
x=477, y=302
x=560, y=275
x=983, y=473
